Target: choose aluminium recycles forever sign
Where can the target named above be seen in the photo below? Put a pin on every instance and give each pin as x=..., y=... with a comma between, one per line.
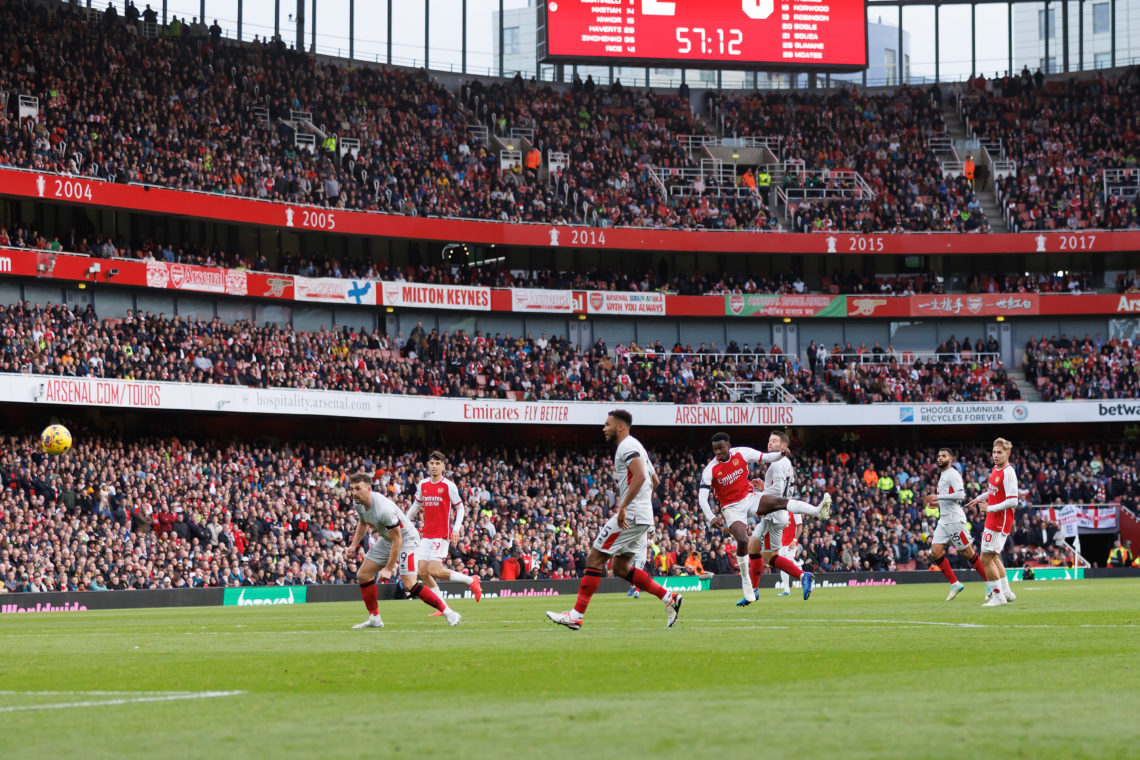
x=261, y=596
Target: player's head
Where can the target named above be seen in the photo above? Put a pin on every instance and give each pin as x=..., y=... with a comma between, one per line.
x=777, y=441
x=436, y=462
x=360, y=487
x=945, y=458
x=722, y=446
x=617, y=426
x=1002, y=447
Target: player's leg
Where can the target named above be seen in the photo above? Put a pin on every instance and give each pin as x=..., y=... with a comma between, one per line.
x=992, y=543
x=739, y=532
x=1003, y=578
x=623, y=568
x=440, y=573
x=770, y=532
x=939, y=560
x=769, y=503
x=755, y=561
x=416, y=588
x=366, y=578
x=972, y=556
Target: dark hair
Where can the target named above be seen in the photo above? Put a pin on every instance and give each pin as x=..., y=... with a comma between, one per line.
x=437, y=454
x=779, y=434
x=721, y=436
x=948, y=450
x=622, y=415
x=360, y=477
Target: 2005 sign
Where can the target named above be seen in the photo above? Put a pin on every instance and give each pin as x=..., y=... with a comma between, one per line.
x=318, y=220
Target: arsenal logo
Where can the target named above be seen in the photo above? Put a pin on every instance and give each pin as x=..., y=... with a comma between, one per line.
x=177, y=274
x=736, y=303
x=974, y=304
x=597, y=300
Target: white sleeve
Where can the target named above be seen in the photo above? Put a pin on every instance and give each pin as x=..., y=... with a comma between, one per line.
x=1010, y=482
x=458, y=517
x=416, y=504
x=949, y=490
x=772, y=456
x=453, y=494
x=703, y=492
x=751, y=455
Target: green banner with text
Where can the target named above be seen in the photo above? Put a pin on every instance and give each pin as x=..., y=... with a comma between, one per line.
x=1047, y=573
x=755, y=305
x=263, y=596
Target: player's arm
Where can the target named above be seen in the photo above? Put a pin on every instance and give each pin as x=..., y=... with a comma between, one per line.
x=457, y=505
x=752, y=456
x=397, y=539
x=655, y=481
x=703, y=493
x=416, y=504
x=1010, y=482
x=361, y=531
x=636, y=481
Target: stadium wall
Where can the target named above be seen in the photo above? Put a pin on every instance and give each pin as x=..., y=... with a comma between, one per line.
x=259, y=596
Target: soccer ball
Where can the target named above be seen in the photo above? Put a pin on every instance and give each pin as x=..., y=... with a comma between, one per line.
x=55, y=439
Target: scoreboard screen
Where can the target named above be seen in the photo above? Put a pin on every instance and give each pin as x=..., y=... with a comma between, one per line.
x=745, y=34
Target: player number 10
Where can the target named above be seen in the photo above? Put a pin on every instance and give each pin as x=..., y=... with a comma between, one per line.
x=707, y=43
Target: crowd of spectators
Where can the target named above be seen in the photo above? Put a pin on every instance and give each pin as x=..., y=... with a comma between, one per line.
x=1083, y=368
x=164, y=512
x=955, y=371
x=56, y=340
x=182, y=110
x=883, y=137
x=1061, y=135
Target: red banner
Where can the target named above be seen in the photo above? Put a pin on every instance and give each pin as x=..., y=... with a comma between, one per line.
x=28, y=184
x=238, y=282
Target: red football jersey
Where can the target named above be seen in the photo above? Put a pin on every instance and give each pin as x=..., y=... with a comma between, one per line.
x=1002, y=485
x=437, y=500
x=729, y=480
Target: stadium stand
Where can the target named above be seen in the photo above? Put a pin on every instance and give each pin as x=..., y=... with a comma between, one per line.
x=1074, y=144
x=1083, y=368
x=274, y=124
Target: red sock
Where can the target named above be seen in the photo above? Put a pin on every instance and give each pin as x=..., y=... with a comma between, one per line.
x=755, y=569
x=944, y=566
x=590, y=581
x=977, y=563
x=427, y=596
x=368, y=594
x=787, y=566
x=641, y=579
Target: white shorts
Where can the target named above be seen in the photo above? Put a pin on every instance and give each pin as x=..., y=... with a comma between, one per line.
x=433, y=549
x=379, y=553
x=993, y=540
x=770, y=530
x=614, y=541
x=956, y=534
x=742, y=510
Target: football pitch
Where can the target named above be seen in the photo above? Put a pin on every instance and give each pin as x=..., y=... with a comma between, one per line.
x=879, y=672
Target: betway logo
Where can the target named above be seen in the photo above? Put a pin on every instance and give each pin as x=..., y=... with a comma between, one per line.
x=14, y=608
x=243, y=602
x=1118, y=410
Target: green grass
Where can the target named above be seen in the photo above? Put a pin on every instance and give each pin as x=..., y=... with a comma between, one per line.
x=852, y=673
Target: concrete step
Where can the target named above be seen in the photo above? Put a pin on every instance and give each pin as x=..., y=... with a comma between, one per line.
x=1028, y=390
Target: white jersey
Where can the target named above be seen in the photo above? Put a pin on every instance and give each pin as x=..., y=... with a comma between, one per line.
x=951, y=493
x=383, y=515
x=780, y=479
x=640, y=509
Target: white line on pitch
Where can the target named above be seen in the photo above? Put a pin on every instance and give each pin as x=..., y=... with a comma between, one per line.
x=124, y=701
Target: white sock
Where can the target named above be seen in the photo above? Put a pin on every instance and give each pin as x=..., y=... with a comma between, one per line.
x=785, y=581
x=745, y=577
x=1005, y=585
x=668, y=598
x=575, y=615
x=460, y=578
x=802, y=508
